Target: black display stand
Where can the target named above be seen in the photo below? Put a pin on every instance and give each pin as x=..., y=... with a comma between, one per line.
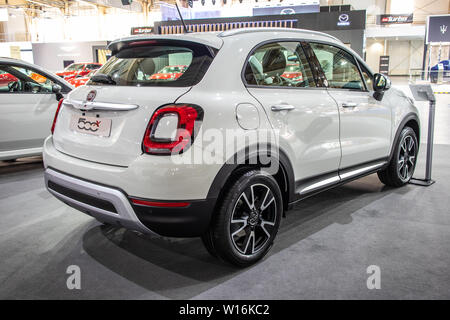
x=425, y=93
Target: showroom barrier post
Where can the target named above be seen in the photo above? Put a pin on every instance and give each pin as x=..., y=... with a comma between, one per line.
x=425, y=93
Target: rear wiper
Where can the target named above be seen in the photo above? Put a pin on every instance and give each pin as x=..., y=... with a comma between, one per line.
x=103, y=78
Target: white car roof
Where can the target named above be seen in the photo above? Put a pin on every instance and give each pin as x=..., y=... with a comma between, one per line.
x=207, y=38
x=301, y=33
x=215, y=39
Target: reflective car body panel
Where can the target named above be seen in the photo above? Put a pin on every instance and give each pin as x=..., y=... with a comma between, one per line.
x=26, y=115
x=319, y=136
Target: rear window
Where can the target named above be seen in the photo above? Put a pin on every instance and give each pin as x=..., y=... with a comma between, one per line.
x=93, y=66
x=75, y=67
x=159, y=64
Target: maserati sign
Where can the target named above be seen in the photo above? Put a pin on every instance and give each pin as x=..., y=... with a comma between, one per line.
x=438, y=28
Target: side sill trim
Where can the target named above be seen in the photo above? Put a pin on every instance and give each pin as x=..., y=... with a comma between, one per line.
x=320, y=184
x=334, y=181
x=360, y=171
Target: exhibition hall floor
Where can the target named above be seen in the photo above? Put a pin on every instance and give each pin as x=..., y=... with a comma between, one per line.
x=322, y=251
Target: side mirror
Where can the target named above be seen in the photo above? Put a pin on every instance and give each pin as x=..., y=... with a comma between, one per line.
x=56, y=89
x=381, y=83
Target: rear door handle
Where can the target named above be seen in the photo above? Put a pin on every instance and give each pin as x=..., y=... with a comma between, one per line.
x=282, y=107
x=349, y=105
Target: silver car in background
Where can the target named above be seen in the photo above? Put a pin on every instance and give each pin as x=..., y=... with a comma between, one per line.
x=29, y=99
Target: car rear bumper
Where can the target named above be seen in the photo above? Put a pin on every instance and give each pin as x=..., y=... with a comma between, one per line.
x=113, y=206
x=103, y=203
x=147, y=177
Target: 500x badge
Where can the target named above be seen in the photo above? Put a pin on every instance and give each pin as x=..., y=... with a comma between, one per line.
x=83, y=124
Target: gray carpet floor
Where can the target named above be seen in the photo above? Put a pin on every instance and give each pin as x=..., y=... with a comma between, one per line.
x=322, y=250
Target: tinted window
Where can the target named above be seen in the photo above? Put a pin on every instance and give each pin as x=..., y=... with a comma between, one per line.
x=6, y=80
x=184, y=65
x=339, y=67
x=15, y=79
x=75, y=67
x=93, y=66
x=279, y=64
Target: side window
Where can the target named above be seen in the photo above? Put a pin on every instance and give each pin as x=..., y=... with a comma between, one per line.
x=16, y=79
x=367, y=77
x=34, y=82
x=339, y=67
x=7, y=80
x=279, y=64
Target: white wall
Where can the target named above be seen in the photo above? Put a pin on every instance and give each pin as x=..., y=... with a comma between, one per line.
x=374, y=49
x=404, y=55
x=416, y=54
x=52, y=55
x=25, y=50
x=399, y=57
x=15, y=28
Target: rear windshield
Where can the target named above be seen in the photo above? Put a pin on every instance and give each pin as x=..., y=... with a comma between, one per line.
x=74, y=67
x=159, y=64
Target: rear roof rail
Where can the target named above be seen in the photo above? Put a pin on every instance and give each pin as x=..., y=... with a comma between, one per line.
x=233, y=32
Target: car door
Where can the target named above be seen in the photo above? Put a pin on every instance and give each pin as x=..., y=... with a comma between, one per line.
x=27, y=108
x=365, y=123
x=300, y=110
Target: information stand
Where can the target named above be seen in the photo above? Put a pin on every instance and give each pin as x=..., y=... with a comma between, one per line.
x=423, y=92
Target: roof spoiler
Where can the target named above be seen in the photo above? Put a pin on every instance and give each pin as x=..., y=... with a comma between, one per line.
x=120, y=44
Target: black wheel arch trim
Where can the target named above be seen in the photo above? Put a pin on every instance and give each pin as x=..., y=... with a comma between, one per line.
x=410, y=116
x=241, y=159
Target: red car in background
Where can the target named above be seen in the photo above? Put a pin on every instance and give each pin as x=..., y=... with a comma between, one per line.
x=81, y=80
x=6, y=78
x=78, y=70
x=169, y=73
x=293, y=73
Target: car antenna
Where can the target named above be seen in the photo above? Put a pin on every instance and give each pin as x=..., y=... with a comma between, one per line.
x=182, y=21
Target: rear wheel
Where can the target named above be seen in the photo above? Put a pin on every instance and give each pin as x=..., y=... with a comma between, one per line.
x=246, y=225
x=402, y=165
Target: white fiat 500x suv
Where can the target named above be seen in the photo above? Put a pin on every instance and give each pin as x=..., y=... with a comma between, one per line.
x=222, y=151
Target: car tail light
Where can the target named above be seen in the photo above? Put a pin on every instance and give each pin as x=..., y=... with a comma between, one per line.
x=56, y=115
x=172, y=129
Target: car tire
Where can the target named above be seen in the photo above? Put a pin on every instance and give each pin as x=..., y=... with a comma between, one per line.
x=403, y=162
x=246, y=224
x=209, y=244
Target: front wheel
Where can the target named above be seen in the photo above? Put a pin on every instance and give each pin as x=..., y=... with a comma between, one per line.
x=401, y=168
x=246, y=225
